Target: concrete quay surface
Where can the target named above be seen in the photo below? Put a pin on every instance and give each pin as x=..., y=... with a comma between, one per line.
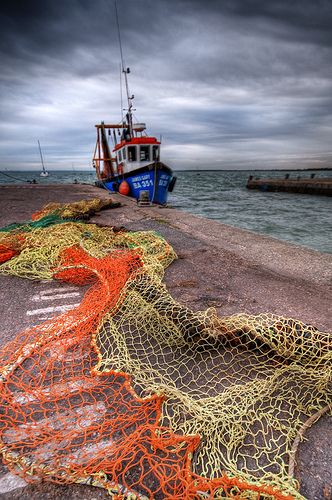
x=219, y=266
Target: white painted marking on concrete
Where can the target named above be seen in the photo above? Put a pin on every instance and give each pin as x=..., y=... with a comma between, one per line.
x=41, y=296
x=82, y=455
x=57, y=289
x=9, y=482
x=72, y=421
x=49, y=310
x=58, y=390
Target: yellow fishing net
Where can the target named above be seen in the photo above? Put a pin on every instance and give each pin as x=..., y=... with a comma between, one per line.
x=79, y=209
x=134, y=392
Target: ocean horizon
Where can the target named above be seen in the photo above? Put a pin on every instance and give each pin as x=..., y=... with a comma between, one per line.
x=222, y=195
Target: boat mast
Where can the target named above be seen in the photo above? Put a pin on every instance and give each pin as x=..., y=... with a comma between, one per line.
x=125, y=71
x=41, y=156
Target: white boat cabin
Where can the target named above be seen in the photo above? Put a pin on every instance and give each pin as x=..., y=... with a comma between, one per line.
x=136, y=153
x=132, y=151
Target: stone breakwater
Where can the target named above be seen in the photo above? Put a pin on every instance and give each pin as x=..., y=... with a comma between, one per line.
x=306, y=186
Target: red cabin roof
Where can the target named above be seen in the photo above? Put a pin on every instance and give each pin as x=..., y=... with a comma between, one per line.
x=137, y=140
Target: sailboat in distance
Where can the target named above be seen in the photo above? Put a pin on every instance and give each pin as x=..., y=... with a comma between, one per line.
x=44, y=172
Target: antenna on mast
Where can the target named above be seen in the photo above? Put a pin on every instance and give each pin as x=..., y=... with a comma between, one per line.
x=126, y=71
x=121, y=99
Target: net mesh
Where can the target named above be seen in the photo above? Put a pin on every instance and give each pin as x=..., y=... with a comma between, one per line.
x=134, y=392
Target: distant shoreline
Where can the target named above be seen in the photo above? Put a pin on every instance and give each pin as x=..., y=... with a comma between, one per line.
x=323, y=169
x=256, y=170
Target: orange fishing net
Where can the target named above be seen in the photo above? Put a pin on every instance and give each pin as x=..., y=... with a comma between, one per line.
x=10, y=246
x=133, y=392
x=6, y=253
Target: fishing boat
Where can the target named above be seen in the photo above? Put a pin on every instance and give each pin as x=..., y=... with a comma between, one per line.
x=128, y=160
x=44, y=172
x=133, y=167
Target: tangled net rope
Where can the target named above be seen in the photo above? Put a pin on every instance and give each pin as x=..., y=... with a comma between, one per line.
x=136, y=393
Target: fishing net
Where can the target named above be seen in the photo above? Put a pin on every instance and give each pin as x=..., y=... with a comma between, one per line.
x=59, y=213
x=80, y=209
x=134, y=392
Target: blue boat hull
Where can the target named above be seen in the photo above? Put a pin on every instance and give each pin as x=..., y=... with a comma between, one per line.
x=157, y=181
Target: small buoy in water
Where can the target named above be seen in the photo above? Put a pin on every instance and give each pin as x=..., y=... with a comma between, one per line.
x=124, y=188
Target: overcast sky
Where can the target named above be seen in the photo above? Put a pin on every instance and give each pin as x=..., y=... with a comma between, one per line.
x=227, y=84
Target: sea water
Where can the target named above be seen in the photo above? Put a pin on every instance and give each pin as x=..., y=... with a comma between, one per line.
x=302, y=219
x=222, y=195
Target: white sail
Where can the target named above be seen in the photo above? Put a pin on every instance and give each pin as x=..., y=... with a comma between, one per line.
x=44, y=172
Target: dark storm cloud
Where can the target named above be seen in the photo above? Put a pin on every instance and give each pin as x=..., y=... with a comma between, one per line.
x=220, y=80
x=308, y=20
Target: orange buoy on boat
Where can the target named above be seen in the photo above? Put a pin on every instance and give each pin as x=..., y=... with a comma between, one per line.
x=124, y=188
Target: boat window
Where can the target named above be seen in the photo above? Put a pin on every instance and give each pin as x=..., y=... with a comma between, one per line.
x=120, y=156
x=145, y=153
x=132, y=153
x=155, y=153
x=124, y=156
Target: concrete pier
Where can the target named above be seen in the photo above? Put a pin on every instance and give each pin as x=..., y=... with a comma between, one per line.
x=219, y=266
x=318, y=186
